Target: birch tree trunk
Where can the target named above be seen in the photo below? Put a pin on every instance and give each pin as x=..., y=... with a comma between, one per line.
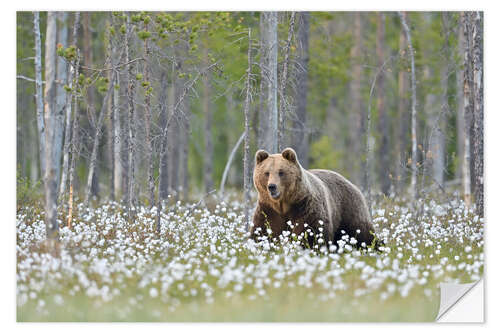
x=460, y=123
x=39, y=92
x=383, y=121
x=69, y=97
x=50, y=114
x=413, y=184
x=300, y=139
x=284, y=78
x=269, y=73
x=468, y=83
x=117, y=143
x=185, y=135
x=263, y=125
x=478, y=109
x=61, y=78
x=247, y=183
x=438, y=144
x=208, y=157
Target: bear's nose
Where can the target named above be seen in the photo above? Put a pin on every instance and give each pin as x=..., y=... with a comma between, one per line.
x=272, y=187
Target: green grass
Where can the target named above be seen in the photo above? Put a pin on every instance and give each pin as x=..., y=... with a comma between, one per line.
x=282, y=305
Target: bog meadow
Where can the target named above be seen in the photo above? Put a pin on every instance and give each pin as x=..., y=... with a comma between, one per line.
x=136, y=136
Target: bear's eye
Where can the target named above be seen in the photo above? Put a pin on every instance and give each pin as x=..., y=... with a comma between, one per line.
x=281, y=173
x=266, y=173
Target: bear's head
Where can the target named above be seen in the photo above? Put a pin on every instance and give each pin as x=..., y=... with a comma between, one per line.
x=277, y=176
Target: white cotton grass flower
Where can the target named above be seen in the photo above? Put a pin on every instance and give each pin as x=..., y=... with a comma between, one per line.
x=205, y=255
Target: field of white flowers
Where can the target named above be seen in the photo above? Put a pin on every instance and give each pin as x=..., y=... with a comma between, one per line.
x=202, y=267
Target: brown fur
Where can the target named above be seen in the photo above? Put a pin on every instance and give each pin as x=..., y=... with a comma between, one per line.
x=307, y=196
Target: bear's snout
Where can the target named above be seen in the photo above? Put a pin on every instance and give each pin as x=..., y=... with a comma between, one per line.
x=273, y=190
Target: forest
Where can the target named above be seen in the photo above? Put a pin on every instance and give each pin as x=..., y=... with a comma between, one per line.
x=136, y=135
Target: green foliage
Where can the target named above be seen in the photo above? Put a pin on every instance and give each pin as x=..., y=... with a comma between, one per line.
x=144, y=34
x=28, y=193
x=323, y=156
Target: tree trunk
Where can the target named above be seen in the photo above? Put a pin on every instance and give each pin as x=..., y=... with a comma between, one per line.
x=90, y=100
x=95, y=145
x=282, y=87
x=356, y=109
x=403, y=120
x=117, y=142
x=300, y=139
x=260, y=116
x=413, y=184
x=460, y=123
x=130, y=121
x=74, y=138
x=39, y=92
x=69, y=97
x=269, y=73
x=163, y=166
x=477, y=20
x=50, y=114
x=185, y=148
x=247, y=183
x=111, y=141
x=147, y=111
x=208, y=156
x=383, y=121
x=173, y=137
x=87, y=51
x=61, y=78
x=468, y=84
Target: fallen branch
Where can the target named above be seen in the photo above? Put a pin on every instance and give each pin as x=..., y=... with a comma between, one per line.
x=228, y=164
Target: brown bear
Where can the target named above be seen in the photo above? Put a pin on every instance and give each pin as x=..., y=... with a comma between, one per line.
x=321, y=202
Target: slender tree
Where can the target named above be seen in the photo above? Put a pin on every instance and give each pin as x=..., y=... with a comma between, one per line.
x=97, y=138
x=163, y=167
x=130, y=120
x=477, y=45
x=413, y=184
x=462, y=144
x=383, y=121
x=39, y=92
x=208, y=156
x=282, y=87
x=60, y=99
x=468, y=84
x=247, y=183
x=147, y=115
x=356, y=123
x=269, y=73
x=401, y=134
x=300, y=140
x=69, y=98
x=50, y=113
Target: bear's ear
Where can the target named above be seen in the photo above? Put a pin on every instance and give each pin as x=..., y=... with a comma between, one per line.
x=289, y=154
x=261, y=155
